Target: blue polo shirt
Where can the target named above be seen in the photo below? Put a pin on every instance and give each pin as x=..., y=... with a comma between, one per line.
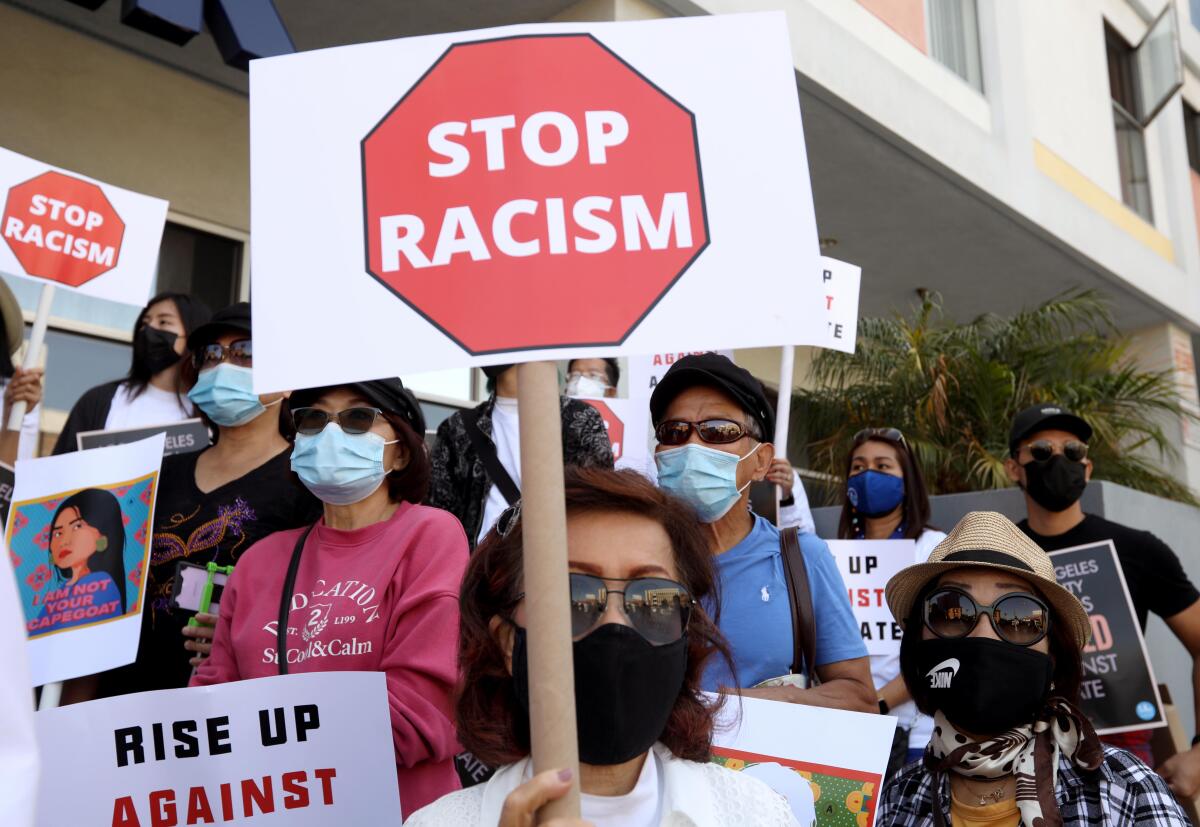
x=756, y=617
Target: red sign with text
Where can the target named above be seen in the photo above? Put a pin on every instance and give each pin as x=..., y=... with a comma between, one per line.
x=533, y=192
x=62, y=228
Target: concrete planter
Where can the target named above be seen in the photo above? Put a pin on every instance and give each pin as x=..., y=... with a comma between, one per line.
x=1175, y=524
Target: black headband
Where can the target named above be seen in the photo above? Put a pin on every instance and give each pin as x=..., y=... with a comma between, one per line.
x=985, y=555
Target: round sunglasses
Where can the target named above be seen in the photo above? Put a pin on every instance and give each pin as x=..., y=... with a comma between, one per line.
x=311, y=421
x=1019, y=618
x=712, y=431
x=658, y=609
x=1043, y=449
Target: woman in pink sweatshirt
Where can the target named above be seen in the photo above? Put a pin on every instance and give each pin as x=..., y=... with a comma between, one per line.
x=373, y=585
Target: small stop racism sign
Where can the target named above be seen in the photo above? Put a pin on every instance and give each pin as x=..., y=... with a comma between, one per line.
x=533, y=192
x=612, y=424
x=62, y=228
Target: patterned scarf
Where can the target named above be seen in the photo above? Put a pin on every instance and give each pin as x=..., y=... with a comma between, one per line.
x=1030, y=753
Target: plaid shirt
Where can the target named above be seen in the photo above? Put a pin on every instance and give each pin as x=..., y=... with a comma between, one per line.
x=1123, y=791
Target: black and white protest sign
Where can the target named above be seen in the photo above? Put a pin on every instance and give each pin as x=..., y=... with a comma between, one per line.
x=866, y=566
x=183, y=437
x=1119, y=692
x=306, y=749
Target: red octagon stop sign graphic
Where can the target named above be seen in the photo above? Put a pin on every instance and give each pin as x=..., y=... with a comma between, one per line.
x=62, y=228
x=613, y=424
x=533, y=192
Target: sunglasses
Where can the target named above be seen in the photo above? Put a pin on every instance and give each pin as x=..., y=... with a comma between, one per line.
x=1043, y=449
x=311, y=421
x=712, y=431
x=240, y=353
x=890, y=434
x=1019, y=618
x=658, y=609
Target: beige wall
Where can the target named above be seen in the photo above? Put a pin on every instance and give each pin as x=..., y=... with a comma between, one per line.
x=82, y=104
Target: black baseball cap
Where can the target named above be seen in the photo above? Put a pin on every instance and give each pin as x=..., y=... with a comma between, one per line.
x=1046, y=417
x=715, y=371
x=235, y=318
x=388, y=395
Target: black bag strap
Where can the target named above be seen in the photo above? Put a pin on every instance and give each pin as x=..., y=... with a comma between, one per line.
x=285, y=600
x=804, y=627
x=486, y=449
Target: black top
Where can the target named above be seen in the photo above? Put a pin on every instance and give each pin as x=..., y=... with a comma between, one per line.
x=90, y=413
x=1156, y=580
x=201, y=528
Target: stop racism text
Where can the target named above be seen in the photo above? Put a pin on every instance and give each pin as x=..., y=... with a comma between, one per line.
x=57, y=240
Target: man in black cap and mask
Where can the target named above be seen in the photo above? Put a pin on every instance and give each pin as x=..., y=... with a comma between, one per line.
x=477, y=454
x=1049, y=462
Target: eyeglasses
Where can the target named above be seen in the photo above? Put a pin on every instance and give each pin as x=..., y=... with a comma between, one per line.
x=599, y=376
x=1043, y=449
x=890, y=434
x=240, y=353
x=310, y=421
x=712, y=431
x=1018, y=617
x=657, y=608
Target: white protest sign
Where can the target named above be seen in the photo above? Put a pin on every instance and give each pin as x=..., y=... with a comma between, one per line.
x=866, y=566
x=842, y=755
x=307, y=749
x=840, y=284
x=78, y=535
x=77, y=232
x=528, y=193
x=627, y=421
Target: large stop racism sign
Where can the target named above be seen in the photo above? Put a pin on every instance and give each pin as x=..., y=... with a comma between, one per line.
x=533, y=192
x=62, y=228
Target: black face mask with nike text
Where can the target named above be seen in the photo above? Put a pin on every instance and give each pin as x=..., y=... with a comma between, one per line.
x=984, y=686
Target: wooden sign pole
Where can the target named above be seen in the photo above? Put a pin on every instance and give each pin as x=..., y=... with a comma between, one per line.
x=547, y=596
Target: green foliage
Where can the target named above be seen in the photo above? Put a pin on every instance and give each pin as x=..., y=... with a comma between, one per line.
x=953, y=390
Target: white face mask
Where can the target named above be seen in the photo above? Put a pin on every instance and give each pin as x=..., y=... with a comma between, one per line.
x=580, y=385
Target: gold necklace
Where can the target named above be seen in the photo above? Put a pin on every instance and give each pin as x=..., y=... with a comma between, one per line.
x=993, y=797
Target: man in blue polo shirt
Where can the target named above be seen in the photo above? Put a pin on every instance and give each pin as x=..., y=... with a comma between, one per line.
x=711, y=418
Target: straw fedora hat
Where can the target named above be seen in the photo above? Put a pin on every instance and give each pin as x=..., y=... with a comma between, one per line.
x=14, y=321
x=985, y=538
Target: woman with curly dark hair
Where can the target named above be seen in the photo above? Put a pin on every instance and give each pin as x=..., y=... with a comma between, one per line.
x=645, y=729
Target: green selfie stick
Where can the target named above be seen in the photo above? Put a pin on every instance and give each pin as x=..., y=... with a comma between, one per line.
x=206, y=595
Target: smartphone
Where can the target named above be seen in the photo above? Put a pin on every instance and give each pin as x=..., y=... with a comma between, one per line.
x=199, y=588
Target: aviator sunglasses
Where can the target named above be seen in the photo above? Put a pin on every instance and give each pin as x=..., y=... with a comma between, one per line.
x=712, y=431
x=1018, y=617
x=311, y=421
x=658, y=609
x=240, y=353
x=1043, y=449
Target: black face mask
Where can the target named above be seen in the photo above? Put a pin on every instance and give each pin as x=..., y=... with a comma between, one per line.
x=1057, y=483
x=625, y=689
x=154, y=349
x=985, y=686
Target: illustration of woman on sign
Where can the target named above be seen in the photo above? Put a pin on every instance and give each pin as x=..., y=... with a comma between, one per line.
x=87, y=551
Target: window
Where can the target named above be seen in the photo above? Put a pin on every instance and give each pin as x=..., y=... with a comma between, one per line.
x=954, y=38
x=1131, y=146
x=1191, y=127
x=203, y=265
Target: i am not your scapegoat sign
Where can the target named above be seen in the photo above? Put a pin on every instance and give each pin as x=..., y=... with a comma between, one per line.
x=1118, y=692
x=230, y=753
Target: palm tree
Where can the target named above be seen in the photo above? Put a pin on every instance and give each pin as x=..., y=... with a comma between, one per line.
x=953, y=390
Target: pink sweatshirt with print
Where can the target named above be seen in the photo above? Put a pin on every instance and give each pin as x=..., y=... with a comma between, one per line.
x=382, y=598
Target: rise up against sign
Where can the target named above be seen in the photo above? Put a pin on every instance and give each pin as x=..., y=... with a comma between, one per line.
x=533, y=192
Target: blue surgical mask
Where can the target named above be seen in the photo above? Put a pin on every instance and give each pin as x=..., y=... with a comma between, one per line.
x=874, y=493
x=226, y=395
x=704, y=477
x=340, y=468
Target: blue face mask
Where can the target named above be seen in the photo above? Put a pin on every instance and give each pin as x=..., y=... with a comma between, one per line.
x=704, y=477
x=226, y=395
x=340, y=468
x=874, y=493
